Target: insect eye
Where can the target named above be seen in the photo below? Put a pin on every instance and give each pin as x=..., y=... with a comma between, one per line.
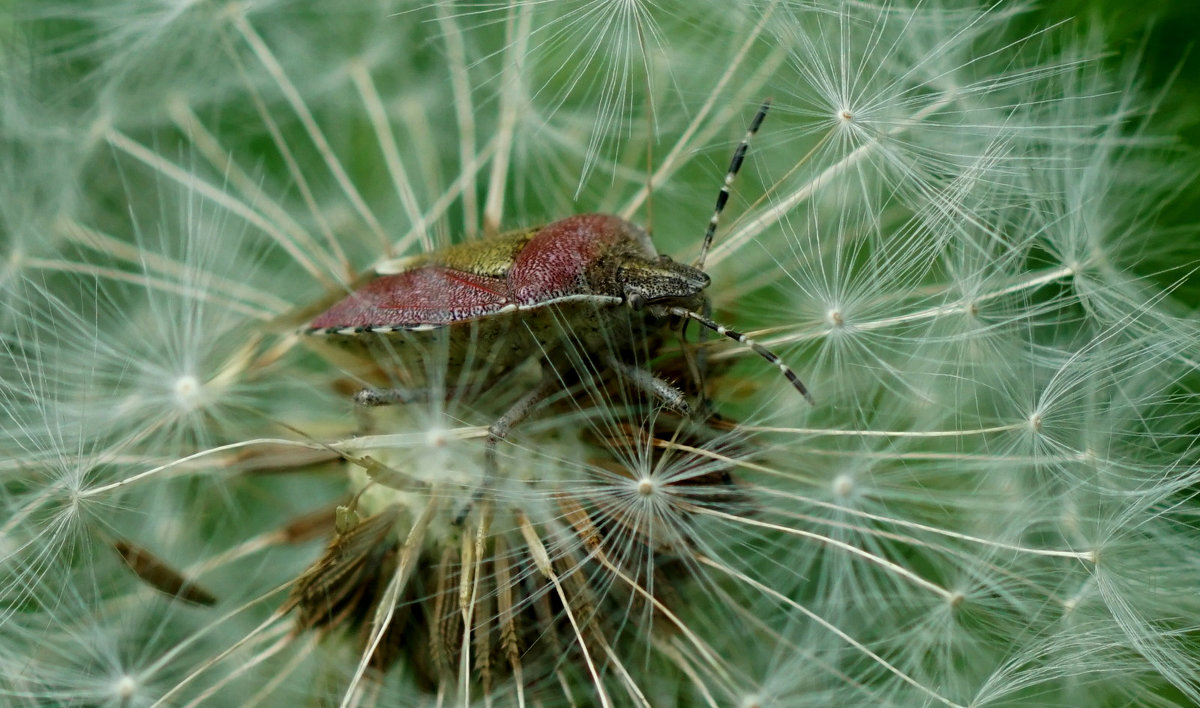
x=636, y=300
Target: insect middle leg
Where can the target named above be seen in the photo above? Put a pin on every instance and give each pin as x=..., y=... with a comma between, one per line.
x=499, y=430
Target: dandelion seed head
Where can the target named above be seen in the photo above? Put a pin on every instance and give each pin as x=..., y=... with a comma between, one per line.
x=436, y=438
x=125, y=688
x=189, y=392
x=835, y=319
x=843, y=486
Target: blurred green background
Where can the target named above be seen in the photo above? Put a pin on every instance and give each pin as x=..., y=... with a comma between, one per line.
x=1161, y=35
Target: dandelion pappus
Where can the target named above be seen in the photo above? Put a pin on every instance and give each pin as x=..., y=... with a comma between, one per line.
x=510, y=295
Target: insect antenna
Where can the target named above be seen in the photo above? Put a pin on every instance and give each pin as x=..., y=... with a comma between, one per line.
x=743, y=339
x=735, y=164
x=649, y=135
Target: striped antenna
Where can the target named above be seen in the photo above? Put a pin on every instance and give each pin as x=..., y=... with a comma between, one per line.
x=743, y=339
x=735, y=164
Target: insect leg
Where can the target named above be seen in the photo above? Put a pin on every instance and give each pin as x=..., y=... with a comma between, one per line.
x=499, y=430
x=697, y=361
x=374, y=397
x=743, y=339
x=670, y=396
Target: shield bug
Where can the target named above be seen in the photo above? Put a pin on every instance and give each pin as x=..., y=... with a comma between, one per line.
x=524, y=294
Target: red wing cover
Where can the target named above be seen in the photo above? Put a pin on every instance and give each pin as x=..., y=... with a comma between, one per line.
x=429, y=295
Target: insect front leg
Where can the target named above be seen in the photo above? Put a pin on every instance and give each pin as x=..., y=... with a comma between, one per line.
x=666, y=393
x=368, y=398
x=697, y=361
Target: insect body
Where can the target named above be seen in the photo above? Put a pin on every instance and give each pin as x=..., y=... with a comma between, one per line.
x=509, y=296
x=520, y=295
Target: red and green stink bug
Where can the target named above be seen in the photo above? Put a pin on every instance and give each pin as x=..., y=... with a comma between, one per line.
x=504, y=300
